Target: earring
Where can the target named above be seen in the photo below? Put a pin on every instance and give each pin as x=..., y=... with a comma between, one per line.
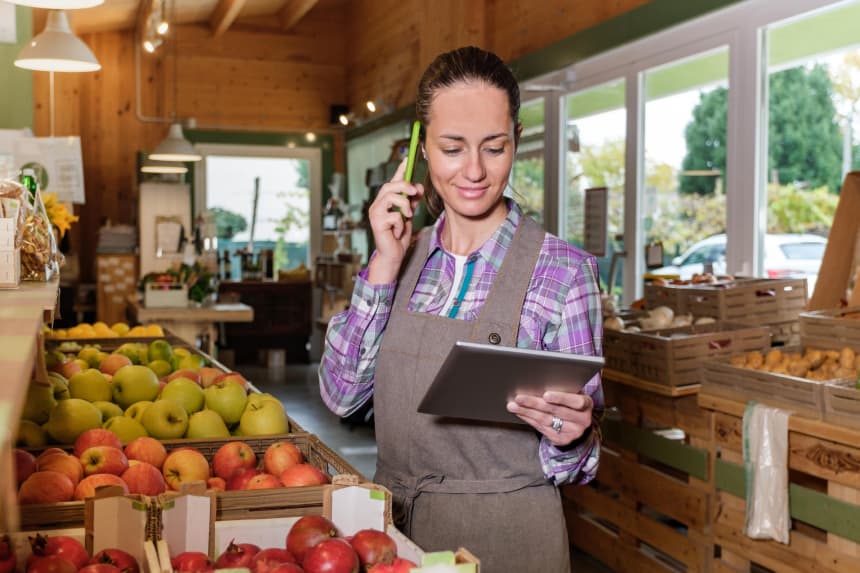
x=423, y=153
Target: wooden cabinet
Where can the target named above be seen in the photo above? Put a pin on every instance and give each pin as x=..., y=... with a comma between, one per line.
x=282, y=318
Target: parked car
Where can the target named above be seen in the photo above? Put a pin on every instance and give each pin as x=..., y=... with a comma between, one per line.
x=785, y=256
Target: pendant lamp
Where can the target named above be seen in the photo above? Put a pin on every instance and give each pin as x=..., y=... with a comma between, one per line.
x=57, y=49
x=164, y=167
x=58, y=4
x=175, y=147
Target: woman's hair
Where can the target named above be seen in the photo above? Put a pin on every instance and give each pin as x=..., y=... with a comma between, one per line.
x=463, y=65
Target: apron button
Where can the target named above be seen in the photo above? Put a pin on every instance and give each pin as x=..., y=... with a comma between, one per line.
x=494, y=338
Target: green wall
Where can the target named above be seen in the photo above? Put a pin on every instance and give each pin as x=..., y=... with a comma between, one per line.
x=16, y=85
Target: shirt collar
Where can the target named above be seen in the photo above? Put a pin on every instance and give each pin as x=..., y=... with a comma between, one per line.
x=492, y=251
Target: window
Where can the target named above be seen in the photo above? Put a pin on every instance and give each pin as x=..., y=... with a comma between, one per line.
x=527, y=175
x=803, y=250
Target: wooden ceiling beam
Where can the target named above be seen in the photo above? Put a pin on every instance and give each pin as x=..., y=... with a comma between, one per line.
x=224, y=14
x=293, y=11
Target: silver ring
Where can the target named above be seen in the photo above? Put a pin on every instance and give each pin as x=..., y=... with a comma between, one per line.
x=557, y=424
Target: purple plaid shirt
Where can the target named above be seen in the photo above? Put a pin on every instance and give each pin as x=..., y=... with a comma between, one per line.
x=561, y=313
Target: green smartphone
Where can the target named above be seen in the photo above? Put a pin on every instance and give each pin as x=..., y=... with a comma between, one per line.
x=410, y=159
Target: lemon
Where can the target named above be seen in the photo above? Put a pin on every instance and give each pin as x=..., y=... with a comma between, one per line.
x=153, y=330
x=120, y=328
x=161, y=367
x=137, y=331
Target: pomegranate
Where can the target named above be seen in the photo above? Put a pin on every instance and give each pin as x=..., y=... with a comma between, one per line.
x=331, y=556
x=268, y=559
x=373, y=546
x=399, y=565
x=307, y=532
x=118, y=558
x=192, y=562
x=100, y=568
x=63, y=546
x=50, y=564
x=287, y=568
x=7, y=555
x=237, y=556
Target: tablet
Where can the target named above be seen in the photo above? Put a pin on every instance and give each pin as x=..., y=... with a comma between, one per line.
x=477, y=381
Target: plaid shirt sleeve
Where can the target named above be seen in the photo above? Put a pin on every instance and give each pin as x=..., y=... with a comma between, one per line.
x=352, y=342
x=580, y=331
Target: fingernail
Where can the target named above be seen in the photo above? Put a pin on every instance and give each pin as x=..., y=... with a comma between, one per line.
x=511, y=406
x=549, y=396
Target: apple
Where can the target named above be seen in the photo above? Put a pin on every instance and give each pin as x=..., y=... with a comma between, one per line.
x=136, y=410
x=90, y=385
x=190, y=374
x=60, y=385
x=126, y=429
x=108, y=409
x=53, y=359
x=96, y=437
x=263, y=481
x=185, y=392
x=266, y=417
x=39, y=403
x=51, y=451
x=144, y=478
x=216, y=484
x=91, y=355
x=147, y=450
x=280, y=456
x=46, y=487
x=134, y=384
x=206, y=424
x=234, y=376
x=258, y=398
x=208, y=376
x=70, y=418
x=184, y=465
x=25, y=464
x=165, y=420
x=104, y=460
x=62, y=463
x=30, y=435
x=113, y=362
x=231, y=457
x=302, y=475
x=191, y=362
x=137, y=353
x=240, y=479
x=70, y=368
x=87, y=487
x=228, y=398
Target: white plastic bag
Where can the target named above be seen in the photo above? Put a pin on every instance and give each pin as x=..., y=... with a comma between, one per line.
x=766, y=467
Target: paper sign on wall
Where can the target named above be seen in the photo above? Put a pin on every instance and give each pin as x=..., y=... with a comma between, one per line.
x=596, y=220
x=57, y=163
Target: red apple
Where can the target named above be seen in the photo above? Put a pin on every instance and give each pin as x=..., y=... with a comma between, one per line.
x=96, y=437
x=235, y=376
x=231, y=457
x=280, y=456
x=373, y=546
x=216, y=484
x=62, y=546
x=63, y=463
x=263, y=481
x=241, y=478
x=307, y=532
x=267, y=559
x=146, y=449
x=331, y=556
x=46, y=487
x=184, y=465
x=192, y=562
x=303, y=475
x=87, y=487
x=114, y=362
x=69, y=368
x=104, y=460
x=7, y=555
x=118, y=558
x=208, y=376
x=399, y=565
x=190, y=374
x=25, y=464
x=144, y=478
x=49, y=451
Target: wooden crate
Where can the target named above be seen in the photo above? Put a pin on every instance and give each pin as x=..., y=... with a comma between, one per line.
x=674, y=356
x=824, y=491
x=762, y=301
x=648, y=508
x=842, y=403
x=785, y=333
x=834, y=329
x=672, y=296
x=801, y=396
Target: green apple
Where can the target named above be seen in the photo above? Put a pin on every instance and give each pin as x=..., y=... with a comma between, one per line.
x=91, y=355
x=39, y=403
x=30, y=435
x=161, y=367
x=70, y=418
x=206, y=424
x=191, y=362
x=134, y=384
x=53, y=359
x=160, y=350
x=228, y=399
x=185, y=392
x=136, y=410
x=125, y=428
x=90, y=385
x=134, y=351
x=263, y=418
x=165, y=420
x=258, y=398
x=108, y=409
x=61, y=386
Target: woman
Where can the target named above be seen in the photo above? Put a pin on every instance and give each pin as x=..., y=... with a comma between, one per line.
x=483, y=272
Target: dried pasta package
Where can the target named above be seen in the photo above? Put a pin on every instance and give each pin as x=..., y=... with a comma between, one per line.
x=39, y=254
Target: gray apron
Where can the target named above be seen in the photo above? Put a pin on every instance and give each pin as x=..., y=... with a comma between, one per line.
x=459, y=483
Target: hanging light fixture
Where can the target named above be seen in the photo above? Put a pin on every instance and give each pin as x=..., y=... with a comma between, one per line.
x=164, y=167
x=58, y=4
x=57, y=49
x=175, y=147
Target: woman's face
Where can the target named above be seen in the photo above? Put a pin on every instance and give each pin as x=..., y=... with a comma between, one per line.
x=470, y=148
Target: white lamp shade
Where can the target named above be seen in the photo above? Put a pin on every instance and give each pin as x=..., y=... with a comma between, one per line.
x=58, y=4
x=175, y=147
x=172, y=167
x=56, y=49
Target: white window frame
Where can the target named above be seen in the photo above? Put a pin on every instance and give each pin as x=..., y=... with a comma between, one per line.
x=741, y=28
x=313, y=155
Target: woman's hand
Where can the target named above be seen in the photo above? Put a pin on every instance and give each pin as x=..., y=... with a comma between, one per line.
x=574, y=411
x=392, y=229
